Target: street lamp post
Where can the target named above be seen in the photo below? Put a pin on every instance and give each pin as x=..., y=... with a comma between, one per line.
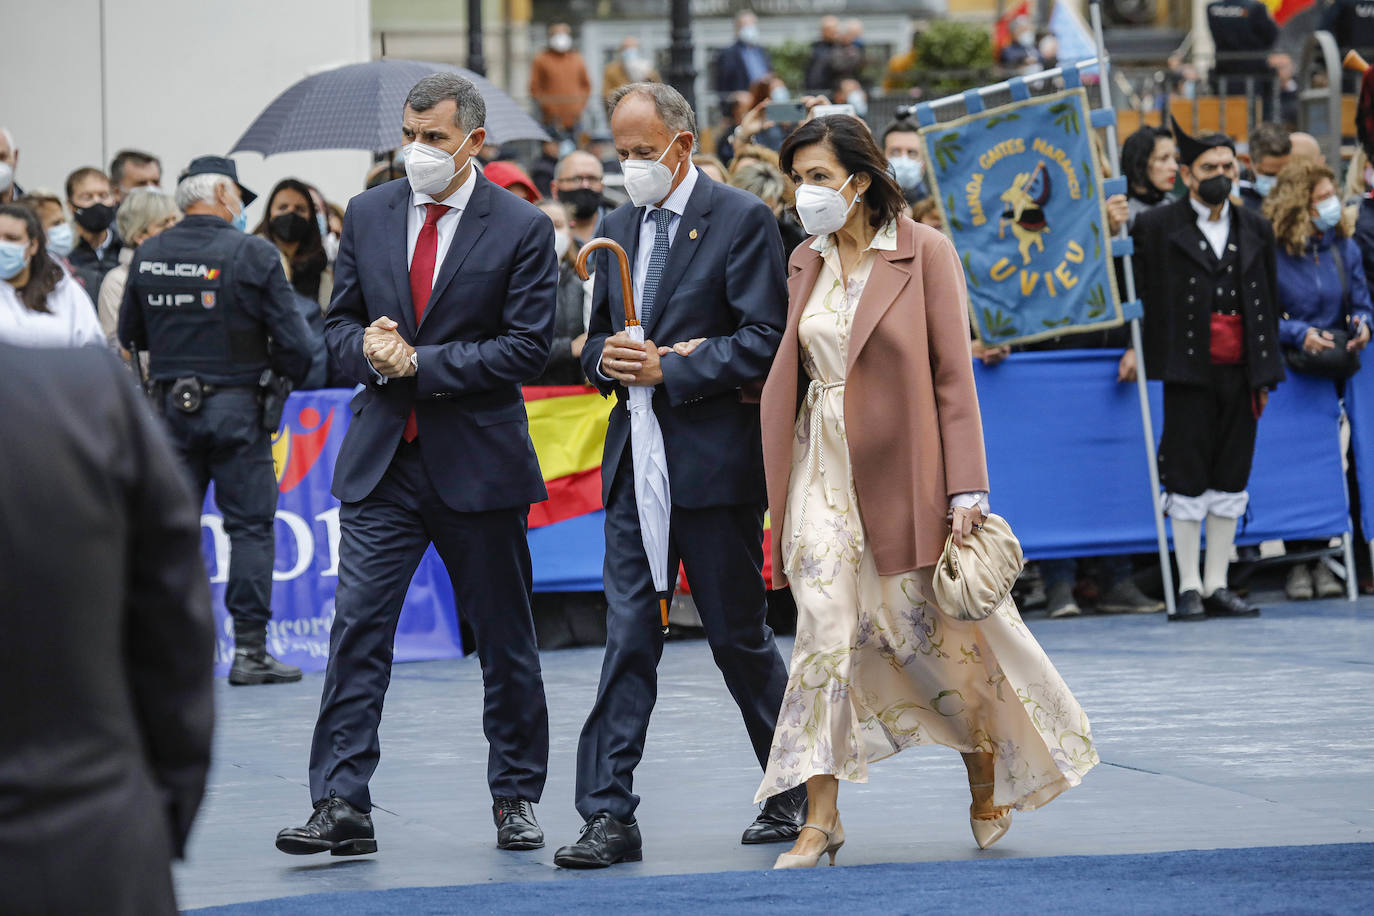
x=682, y=75
x=477, y=61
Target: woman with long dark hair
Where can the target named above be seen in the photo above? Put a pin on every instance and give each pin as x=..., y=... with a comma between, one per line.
x=292, y=224
x=1149, y=160
x=873, y=449
x=40, y=304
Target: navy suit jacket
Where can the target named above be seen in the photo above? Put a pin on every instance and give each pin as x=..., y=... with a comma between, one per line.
x=732, y=74
x=486, y=329
x=725, y=280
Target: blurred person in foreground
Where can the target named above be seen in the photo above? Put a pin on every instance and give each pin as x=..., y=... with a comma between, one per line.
x=873, y=448
x=1325, y=301
x=291, y=222
x=107, y=619
x=145, y=212
x=1206, y=276
x=570, y=328
x=130, y=169
x=212, y=307
x=559, y=83
x=41, y=305
x=709, y=286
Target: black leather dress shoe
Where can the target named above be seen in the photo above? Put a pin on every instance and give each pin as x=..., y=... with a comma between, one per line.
x=254, y=665
x=780, y=820
x=516, y=827
x=1189, y=608
x=336, y=827
x=604, y=842
x=1225, y=603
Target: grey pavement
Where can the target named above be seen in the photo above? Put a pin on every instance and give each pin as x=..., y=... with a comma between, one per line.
x=1212, y=735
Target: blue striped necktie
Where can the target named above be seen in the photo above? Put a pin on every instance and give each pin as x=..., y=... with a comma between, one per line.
x=657, y=259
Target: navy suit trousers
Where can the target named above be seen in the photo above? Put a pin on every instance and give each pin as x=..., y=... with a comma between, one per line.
x=721, y=548
x=382, y=540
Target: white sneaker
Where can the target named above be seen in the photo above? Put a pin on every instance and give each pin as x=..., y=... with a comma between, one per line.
x=1325, y=582
x=1299, y=584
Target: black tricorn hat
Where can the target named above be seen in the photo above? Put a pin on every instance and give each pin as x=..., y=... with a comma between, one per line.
x=1190, y=147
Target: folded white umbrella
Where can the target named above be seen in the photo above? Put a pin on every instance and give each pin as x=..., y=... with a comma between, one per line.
x=652, y=495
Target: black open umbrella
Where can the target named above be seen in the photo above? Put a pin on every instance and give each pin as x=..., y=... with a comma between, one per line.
x=358, y=106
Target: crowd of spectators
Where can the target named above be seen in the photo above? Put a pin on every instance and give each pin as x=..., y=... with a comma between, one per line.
x=64, y=258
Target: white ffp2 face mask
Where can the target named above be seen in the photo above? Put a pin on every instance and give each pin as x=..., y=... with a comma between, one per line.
x=823, y=210
x=649, y=182
x=561, y=242
x=430, y=169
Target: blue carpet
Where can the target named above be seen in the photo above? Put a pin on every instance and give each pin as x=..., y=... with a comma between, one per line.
x=1273, y=879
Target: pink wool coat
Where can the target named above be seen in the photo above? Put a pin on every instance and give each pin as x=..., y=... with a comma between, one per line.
x=910, y=404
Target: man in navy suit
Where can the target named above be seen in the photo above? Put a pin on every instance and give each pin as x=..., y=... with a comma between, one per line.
x=444, y=302
x=743, y=63
x=708, y=277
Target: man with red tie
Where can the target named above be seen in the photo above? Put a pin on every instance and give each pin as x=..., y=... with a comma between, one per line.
x=444, y=303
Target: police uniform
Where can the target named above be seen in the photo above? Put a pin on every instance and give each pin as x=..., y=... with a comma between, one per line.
x=214, y=310
x=1242, y=27
x=1351, y=23
x=1211, y=335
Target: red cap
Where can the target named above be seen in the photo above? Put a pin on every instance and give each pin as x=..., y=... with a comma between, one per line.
x=507, y=174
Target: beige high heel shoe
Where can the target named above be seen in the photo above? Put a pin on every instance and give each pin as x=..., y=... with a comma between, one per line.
x=989, y=822
x=834, y=839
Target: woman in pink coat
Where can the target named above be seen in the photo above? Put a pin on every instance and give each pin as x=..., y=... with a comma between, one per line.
x=873, y=447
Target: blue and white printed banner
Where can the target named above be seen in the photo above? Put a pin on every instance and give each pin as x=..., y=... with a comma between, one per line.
x=1021, y=194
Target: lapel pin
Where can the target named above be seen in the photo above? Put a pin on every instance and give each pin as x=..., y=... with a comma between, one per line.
x=692, y=235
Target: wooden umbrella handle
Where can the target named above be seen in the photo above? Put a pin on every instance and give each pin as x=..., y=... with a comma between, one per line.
x=626, y=292
x=1354, y=61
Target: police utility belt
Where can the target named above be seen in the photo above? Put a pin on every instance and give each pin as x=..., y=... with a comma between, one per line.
x=188, y=393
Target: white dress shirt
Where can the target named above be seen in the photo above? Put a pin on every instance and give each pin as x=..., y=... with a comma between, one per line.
x=69, y=322
x=447, y=227
x=675, y=204
x=1216, y=231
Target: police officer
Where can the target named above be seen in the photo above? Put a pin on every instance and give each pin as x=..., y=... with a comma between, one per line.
x=1243, y=34
x=215, y=312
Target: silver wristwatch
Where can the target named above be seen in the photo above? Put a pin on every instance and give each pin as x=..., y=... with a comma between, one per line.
x=415, y=361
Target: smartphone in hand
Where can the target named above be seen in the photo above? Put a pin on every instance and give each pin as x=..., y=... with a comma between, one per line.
x=785, y=112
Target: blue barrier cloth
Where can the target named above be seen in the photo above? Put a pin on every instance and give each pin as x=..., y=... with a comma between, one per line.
x=1067, y=461
x=1065, y=454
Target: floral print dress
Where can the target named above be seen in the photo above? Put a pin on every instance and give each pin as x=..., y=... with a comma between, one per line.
x=876, y=667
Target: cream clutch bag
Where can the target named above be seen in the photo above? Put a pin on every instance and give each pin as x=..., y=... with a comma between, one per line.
x=972, y=581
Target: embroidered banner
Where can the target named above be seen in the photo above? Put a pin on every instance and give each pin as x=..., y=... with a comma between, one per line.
x=1020, y=191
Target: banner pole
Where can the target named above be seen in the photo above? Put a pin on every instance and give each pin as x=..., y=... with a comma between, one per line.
x=1142, y=387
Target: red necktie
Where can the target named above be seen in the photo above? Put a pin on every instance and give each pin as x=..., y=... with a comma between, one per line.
x=422, y=281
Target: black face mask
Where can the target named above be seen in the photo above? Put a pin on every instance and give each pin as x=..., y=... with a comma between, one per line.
x=1214, y=190
x=290, y=227
x=583, y=202
x=95, y=218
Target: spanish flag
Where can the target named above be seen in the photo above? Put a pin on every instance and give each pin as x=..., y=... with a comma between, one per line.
x=568, y=427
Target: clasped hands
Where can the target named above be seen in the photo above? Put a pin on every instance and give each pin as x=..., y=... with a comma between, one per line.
x=387, y=350
x=639, y=364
